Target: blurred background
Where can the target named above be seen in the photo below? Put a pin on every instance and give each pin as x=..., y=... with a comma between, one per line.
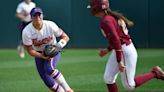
x=80, y=64
x=83, y=29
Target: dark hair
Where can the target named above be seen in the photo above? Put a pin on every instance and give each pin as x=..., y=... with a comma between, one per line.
x=118, y=15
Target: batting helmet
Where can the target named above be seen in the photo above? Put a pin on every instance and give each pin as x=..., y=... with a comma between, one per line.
x=98, y=5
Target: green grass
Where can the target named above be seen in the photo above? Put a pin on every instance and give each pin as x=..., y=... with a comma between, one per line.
x=83, y=69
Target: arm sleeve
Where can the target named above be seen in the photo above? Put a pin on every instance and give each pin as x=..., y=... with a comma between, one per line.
x=26, y=39
x=113, y=38
x=109, y=48
x=56, y=30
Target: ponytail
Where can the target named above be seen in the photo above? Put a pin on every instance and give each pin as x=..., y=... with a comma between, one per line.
x=118, y=15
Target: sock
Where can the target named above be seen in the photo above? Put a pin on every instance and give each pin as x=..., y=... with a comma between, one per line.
x=57, y=88
x=141, y=79
x=112, y=87
x=59, y=78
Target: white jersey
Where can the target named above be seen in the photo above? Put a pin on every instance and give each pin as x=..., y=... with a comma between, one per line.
x=39, y=38
x=24, y=9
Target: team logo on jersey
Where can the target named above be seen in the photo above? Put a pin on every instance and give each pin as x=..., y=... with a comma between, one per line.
x=37, y=42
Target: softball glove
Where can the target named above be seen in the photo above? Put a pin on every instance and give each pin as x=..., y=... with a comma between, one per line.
x=51, y=50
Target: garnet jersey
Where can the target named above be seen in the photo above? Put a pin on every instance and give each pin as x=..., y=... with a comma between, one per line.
x=115, y=31
x=39, y=38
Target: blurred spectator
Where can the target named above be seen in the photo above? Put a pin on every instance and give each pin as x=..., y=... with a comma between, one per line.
x=23, y=13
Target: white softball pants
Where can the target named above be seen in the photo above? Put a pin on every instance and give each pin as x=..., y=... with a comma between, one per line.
x=129, y=59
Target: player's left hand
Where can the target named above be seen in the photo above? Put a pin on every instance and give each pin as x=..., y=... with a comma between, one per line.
x=47, y=58
x=51, y=50
x=103, y=52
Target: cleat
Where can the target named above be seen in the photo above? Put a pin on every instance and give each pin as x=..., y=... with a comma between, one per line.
x=21, y=54
x=159, y=72
x=21, y=51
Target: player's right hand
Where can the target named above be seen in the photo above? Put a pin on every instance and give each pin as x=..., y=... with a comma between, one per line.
x=121, y=67
x=47, y=58
x=103, y=52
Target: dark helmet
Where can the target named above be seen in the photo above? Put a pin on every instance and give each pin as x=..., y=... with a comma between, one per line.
x=98, y=5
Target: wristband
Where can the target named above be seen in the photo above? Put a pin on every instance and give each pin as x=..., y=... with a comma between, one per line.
x=119, y=56
x=62, y=43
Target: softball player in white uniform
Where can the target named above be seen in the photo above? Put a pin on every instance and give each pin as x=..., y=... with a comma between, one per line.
x=35, y=36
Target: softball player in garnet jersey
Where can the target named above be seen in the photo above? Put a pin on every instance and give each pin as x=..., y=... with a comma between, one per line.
x=124, y=56
x=35, y=36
